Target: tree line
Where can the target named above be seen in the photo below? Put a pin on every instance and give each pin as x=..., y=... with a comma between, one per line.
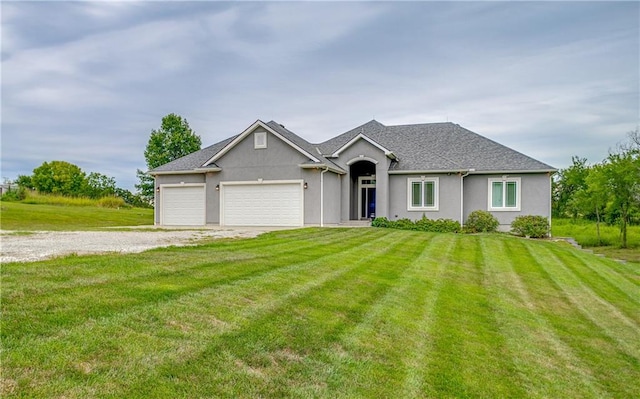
x=608, y=191
x=66, y=179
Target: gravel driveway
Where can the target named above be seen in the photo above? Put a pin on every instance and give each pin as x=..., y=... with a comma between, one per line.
x=33, y=246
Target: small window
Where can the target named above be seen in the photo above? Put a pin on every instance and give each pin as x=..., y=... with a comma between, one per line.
x=260, y=140
x=423, y=194
x=504, y=194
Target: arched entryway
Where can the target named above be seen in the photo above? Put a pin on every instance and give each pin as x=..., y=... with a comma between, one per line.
x=363, y=190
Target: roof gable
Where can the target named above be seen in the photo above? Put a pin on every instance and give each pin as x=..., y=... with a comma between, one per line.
x=269, y=128
x=361, y=136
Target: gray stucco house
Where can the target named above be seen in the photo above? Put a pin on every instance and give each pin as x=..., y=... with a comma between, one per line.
x=269, y=176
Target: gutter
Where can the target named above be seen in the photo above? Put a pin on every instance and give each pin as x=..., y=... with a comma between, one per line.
x=185, y=172
x=321, y=165
x=470, y=171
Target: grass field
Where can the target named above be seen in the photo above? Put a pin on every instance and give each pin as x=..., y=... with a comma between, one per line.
x=584, y=232
x=30, y=217
x=325, y=313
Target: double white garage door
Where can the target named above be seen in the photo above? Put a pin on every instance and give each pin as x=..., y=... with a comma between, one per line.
x=241, y=204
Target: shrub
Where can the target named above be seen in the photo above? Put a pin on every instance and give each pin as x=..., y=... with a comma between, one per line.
x=480, y=221
x=380, y=222
x=437, y=226
x=15, y=195
x=111, y=202
x=404, y=224
x=530, y=226
x=424, y=224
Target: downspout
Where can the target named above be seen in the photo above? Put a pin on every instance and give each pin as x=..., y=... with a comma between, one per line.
x=322, y=196
x=462, y=176
x=551, y=201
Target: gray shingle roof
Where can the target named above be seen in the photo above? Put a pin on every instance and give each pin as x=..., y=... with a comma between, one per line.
x=439, y=146
x=195, y=159
x=420, y=147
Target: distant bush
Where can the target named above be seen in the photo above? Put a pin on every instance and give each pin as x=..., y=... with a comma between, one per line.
x=424, y=224
x=17, y=194
x=112, y=202
x=531, y=226
x=480, y=221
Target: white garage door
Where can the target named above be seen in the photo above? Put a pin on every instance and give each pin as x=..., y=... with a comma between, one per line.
x=183, y=205
x=265, y=204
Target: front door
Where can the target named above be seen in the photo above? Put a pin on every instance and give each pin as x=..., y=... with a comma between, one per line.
x=366, y=197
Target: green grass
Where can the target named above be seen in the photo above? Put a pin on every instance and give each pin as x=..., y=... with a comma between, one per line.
x=329, y=313
x=31, y=217
x=584, y=232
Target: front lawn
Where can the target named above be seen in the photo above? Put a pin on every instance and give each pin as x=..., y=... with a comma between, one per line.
x=372, y=313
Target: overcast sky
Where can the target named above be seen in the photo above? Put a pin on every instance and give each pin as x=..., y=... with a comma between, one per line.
x=86, y=82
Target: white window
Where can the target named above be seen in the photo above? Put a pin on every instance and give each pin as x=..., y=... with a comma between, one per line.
x=260, y=140
x=422, y=194
x=504, y=194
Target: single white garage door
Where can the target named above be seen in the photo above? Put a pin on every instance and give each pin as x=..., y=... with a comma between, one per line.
x=264, y=204
x=183, y=205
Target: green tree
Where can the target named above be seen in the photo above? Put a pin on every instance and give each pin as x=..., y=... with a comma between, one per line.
x=622, y=173
x=568, y=182
x=58, y=177
x=173, y=140
x=593, y=199
x=99, y=185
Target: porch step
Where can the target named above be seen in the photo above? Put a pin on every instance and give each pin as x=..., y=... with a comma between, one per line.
x=355, y=223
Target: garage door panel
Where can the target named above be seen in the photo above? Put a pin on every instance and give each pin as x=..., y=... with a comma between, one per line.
x=262, y=205
x=183, y=206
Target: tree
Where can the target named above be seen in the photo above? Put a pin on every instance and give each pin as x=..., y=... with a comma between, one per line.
x=99, y=185
x=622, y=173
x=595, y=196
x=173, y=140
x=568, y=182
x=58, y=177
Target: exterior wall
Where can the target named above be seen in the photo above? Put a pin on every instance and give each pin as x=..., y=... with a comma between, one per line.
x=364, y=149
x=278, y=161
x=332, y=200
x=172, y=179
x=448, y=198
x=535, y=197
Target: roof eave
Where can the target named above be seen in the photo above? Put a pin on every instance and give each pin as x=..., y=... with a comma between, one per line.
x=471, y=171
x=196, y=171
x=322, y=166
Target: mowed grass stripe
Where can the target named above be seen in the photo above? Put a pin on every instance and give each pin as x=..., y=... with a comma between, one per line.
x=264, y=349
x=547, y=366
x=469, y=349
x=139, y=283
x=597, y=351
x=605, y=315
x=617, y=291
x=376, y=346
x=98, y=345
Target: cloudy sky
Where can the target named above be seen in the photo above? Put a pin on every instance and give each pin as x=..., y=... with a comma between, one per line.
x=86, y=82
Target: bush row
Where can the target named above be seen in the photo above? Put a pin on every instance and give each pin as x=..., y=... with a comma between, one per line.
x=477, y=222
x=424, y=224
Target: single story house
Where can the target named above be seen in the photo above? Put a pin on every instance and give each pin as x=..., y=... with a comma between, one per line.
x=270, y=176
